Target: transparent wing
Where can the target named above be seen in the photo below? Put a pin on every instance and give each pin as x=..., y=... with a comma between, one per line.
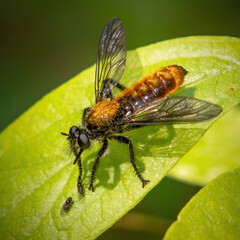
x=175, y=110
x=111, y=58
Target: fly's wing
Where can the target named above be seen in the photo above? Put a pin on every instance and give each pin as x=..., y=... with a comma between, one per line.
x=111, y=58
x=175, y=110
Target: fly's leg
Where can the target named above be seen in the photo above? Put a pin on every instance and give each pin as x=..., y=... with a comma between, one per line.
x=96, y=163
x=78, y=155
x=113, y=82
x=79, y=182
x=125, y=140
x=85, y=112
x=109, y=81
x=118, y=85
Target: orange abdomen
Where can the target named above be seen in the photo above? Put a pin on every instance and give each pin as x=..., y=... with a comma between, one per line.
x=152, y=87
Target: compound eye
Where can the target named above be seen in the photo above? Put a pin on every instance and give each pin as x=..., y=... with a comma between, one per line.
x=72, y=130
x=83, y=141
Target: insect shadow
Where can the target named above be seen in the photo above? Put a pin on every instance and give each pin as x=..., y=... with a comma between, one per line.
x=144, y=141
x=189, y=92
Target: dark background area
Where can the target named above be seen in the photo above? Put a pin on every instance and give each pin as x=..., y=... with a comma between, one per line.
x=45, y=43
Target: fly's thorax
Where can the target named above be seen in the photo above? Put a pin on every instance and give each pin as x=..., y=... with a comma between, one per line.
x=102, y=114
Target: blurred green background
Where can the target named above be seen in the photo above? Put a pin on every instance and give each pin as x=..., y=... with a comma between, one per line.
x=44, y=43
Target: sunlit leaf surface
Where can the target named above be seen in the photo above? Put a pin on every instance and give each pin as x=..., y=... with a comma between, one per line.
x=37, y=174
x=213, y=213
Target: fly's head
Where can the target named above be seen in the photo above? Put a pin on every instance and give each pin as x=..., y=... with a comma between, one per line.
x=78, y=138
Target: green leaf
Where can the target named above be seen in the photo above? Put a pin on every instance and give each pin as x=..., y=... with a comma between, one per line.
x=37, y=174
x=213, y=213
x=217, y=152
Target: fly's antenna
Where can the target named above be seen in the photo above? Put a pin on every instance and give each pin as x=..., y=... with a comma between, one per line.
x=65, y=134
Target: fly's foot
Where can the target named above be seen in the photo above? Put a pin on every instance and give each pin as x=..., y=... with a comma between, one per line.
x=144, y=182
x=80, y=187
x=91, y=187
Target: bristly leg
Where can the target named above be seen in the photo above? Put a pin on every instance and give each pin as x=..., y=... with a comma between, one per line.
x=125, y=140
x=79, y=182
x=78, y=155
x=118, y=85
x=96, y=163
x=113, y=82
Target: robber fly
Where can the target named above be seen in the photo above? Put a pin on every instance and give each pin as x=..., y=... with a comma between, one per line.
x=144, y=103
